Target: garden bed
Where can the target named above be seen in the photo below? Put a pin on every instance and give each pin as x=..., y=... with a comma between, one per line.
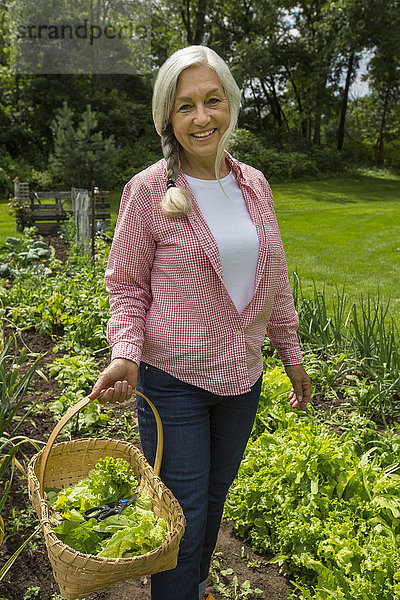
x=61, y=312
x=32, y=570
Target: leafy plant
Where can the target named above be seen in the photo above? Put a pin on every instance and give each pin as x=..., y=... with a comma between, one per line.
x=32, y=592
x=75, y=374
x=133, y=532
x=328, y=506
x=73, y=300
x=21, y=208
x=18, y=254
x=226, y=582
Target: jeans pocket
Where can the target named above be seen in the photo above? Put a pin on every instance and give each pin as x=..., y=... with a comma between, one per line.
x=155, y=379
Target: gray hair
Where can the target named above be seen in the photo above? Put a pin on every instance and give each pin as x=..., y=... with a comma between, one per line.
x=177, y=201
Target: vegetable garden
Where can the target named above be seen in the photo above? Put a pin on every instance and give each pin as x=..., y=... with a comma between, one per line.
x=318, y=493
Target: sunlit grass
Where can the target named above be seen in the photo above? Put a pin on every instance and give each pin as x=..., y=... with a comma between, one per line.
x=343, y=231
x=7, y=222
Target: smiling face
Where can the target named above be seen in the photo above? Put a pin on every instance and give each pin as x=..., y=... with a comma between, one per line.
x=200, y=116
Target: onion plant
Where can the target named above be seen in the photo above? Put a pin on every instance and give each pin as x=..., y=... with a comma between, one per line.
x=15, y=408
x=318, y=326
x=364, y=335
x=374, y=335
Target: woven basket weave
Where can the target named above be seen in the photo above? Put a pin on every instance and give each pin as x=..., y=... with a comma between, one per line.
x=63, y=464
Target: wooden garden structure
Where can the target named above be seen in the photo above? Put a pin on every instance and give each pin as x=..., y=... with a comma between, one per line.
x=48, y=210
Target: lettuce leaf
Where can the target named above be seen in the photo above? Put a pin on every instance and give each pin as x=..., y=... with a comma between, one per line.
x=137, y=539
x=80, y=536
x=133, y=532
x=110, y=480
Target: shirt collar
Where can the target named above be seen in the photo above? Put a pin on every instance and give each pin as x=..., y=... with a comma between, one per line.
x=234, y=165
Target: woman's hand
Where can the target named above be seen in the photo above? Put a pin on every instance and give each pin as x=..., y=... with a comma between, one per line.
x=301, y=386
x=117, y=382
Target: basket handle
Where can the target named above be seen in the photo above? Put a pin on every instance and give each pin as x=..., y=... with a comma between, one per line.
x=73, y=410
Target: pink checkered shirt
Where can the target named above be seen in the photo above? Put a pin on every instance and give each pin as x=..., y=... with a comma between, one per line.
x=168, y=303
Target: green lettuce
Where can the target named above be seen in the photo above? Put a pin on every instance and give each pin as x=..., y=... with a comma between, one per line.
x=323, y=504
x=110, y=480
x=133, y=532
x=80, y=535
x=138, y=534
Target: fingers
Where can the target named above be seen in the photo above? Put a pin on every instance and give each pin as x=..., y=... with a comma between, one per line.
x=300, y=393
x=301, y=397
x=297, y=401
x=119, y=392
x=101, y=386
x=98, y=389
x=116, y=383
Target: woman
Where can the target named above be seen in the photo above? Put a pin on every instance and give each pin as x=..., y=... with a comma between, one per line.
x=195, y=283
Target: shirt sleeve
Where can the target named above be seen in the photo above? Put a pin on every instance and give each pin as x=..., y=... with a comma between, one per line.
x=284, y=321
x=128, y=274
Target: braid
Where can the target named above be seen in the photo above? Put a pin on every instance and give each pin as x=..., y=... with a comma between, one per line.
x=170, y=148
x=177, y=201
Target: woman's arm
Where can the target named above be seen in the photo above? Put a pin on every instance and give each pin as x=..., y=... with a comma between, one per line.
x=128, y=273
x=128, y=285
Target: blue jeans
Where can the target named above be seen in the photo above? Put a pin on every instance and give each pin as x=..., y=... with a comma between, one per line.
x=205, y=436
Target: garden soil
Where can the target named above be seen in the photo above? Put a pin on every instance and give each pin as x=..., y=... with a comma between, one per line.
x=32, y=568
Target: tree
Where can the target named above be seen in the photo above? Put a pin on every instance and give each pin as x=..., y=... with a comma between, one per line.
x=81, y=154
x=384, y=70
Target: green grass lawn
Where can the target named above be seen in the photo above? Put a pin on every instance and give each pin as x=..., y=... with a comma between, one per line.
x=343, y=231
x=7, y=221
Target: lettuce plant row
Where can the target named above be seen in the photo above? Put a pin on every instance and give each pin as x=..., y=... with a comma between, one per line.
x=327, y=506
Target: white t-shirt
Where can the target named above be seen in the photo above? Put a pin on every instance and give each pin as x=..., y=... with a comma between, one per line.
x=234, y=232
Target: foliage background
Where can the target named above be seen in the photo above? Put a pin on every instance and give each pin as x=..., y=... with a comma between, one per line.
x=294, y=61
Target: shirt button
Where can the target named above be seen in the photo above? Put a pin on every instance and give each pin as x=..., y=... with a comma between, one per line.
x=239, y=331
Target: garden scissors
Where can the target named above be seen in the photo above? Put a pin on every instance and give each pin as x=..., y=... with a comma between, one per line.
x=109, y=508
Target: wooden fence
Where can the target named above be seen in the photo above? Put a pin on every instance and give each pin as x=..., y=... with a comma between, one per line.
x=49, y=216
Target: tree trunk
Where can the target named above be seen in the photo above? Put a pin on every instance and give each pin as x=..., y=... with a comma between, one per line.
x=319, y=102
x=342, y=120
x=194, y=26
x=199, y=21
x=273, y=102
x=317, y=127
x=318, y=114
x=303, y=122
x=256, y=101
x=185, y=14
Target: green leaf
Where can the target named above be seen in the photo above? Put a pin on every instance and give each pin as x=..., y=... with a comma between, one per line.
x=80, y=536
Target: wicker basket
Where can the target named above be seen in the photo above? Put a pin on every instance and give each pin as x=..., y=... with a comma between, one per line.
x=63, y=464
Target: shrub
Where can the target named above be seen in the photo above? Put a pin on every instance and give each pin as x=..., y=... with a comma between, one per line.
x=131, y=160
x=281, y=166
x=9, y=169
x=358, y=153
x=392, y=155
x=327, y=160
x=248, y=148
